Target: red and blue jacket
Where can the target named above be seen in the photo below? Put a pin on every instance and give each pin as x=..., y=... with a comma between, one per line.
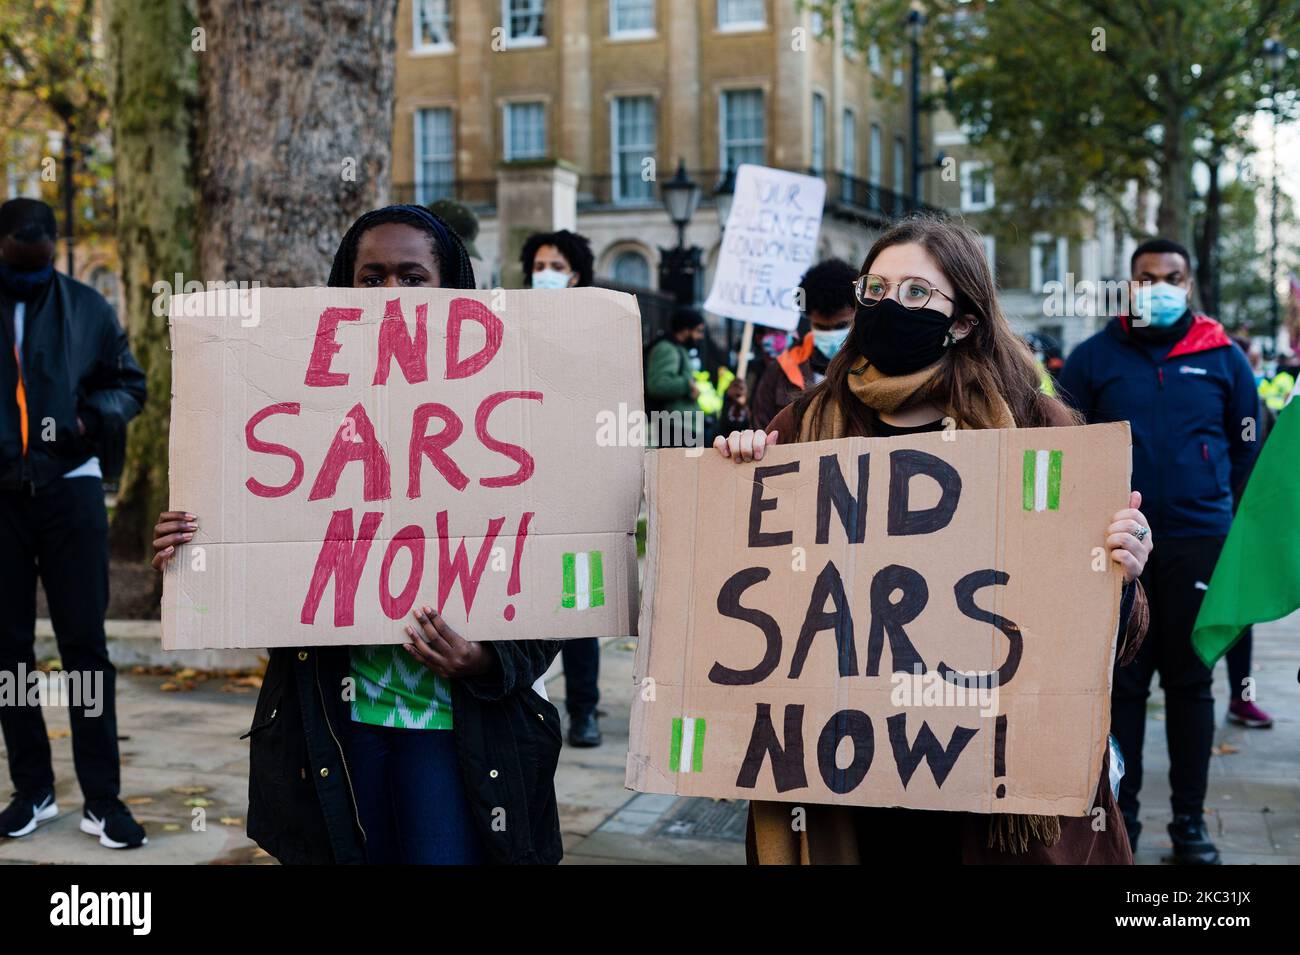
x=1194, y=413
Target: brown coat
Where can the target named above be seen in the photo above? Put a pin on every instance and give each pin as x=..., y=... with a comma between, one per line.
x=839, y=835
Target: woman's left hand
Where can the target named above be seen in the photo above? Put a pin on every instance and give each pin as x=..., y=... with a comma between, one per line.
x=443, y=650
x=1129, y=538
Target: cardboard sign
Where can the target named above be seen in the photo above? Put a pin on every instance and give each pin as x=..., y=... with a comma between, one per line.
x=926, y=621
x=769, y=243
x=353, y=453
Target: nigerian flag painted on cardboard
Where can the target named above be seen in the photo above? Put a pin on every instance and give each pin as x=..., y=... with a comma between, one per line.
x=1257, y=578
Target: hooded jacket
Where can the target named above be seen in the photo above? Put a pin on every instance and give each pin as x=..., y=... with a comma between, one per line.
x=1194, y=413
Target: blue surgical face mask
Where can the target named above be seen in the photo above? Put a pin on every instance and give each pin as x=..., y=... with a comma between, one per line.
x=550, y=278
x=25, y=284
x=829, y=341
x=1161, y=304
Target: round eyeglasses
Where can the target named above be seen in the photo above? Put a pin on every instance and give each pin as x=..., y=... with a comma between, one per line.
x=912, y=293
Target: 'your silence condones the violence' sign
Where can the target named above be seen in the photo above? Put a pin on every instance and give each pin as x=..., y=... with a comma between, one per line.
x=354, y=453
x=926, y=621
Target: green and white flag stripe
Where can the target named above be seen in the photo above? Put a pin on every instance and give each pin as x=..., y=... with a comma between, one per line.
x=584, y=580
x=1042, y=481
x=686, y=754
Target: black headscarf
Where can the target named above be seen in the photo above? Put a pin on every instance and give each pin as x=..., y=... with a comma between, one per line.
x=453, y=261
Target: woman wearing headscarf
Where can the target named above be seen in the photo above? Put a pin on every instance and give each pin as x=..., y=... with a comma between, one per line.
x=449, y=756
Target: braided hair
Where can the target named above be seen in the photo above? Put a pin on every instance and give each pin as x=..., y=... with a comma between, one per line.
x=453, y=261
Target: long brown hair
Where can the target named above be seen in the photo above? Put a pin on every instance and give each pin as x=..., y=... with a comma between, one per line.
x=991, y=360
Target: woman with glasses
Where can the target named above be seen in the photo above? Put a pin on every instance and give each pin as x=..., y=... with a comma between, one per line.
x=930, y=349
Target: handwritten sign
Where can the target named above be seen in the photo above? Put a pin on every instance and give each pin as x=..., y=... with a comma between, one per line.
x=926, y=621
x=351, y=453
x=769, y=243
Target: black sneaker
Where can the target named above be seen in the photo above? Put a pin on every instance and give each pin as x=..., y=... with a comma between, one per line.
x=116, y=828
x=25, y=813
x=1192, y=845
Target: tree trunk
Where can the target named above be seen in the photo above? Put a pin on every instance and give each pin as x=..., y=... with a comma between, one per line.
x=289, y=107
x=297, y=133
x=153, y=83
x=1174, y=220
x=1207, y=245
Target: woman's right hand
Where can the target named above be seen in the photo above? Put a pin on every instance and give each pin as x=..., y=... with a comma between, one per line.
x=173, y=528
x=743, y=446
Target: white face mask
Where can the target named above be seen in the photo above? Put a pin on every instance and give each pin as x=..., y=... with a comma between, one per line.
x=550, y=278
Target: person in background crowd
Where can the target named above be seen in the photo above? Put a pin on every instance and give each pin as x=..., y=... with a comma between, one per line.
x=829, y=305
x=442, y=738
x=1189, y=397
x=670, y=384
x=557, y=260
x=560, y=259
x=69, y=386
x=461, y=219
x=1242, y=708
x=1047, y=353
x=930, y=344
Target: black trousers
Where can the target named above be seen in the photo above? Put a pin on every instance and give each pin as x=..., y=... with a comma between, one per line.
x=1175, y=579
x=581, y=675
x=61, y=535
x=1239, y=664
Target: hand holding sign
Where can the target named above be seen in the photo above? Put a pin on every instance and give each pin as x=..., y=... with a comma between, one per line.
x=919, y=621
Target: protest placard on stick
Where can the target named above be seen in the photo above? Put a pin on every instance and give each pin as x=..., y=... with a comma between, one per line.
x=926, y=621
x=770, y=240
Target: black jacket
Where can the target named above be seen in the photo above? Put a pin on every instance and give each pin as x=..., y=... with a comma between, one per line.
x=76, y=364
x=300, y=803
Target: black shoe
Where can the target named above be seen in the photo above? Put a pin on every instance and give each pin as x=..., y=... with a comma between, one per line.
x=25, y=813
x=1192, y=845
x=584, y=730
x=116, y=828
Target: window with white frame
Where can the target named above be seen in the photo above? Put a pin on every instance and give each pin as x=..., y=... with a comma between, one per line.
x=818, y=158
x=848, y=143
x=848, y=154
x=631, y=268
x=976, y=187
x=524, y=22
x=631, y=18
x=633, y=141
x=873, y=58
x=900, y=166
x=435, y=155
x=432, y=25
x=1048, y=256
x=741, y=14
x=877, y=147
x=848, y=30
x=743, y=128
x=898, y=68
x=524, y=129
x=991, y=253
x=816, y=23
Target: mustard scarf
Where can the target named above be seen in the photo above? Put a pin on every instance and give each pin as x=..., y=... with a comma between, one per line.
x=888, y=394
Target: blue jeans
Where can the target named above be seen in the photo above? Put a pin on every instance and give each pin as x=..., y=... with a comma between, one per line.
x=410, y=797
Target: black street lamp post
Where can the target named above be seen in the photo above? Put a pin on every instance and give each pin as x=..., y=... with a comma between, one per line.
x=681, y=269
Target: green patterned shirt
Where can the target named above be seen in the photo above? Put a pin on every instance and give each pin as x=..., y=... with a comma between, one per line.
x=392, y=688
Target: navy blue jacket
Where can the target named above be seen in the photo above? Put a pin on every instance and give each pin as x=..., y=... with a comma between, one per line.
x=1194, y=412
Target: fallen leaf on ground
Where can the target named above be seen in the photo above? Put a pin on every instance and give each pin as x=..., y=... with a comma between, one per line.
x=231, y=821
x=190, y=790
x=138, y=800
x=59, y=734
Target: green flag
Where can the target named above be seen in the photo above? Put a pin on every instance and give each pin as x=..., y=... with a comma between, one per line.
x=1257, y=577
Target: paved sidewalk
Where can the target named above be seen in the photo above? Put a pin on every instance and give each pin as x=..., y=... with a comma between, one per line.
x=185, y=774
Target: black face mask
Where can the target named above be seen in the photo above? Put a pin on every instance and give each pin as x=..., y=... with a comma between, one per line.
x=900, y=340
